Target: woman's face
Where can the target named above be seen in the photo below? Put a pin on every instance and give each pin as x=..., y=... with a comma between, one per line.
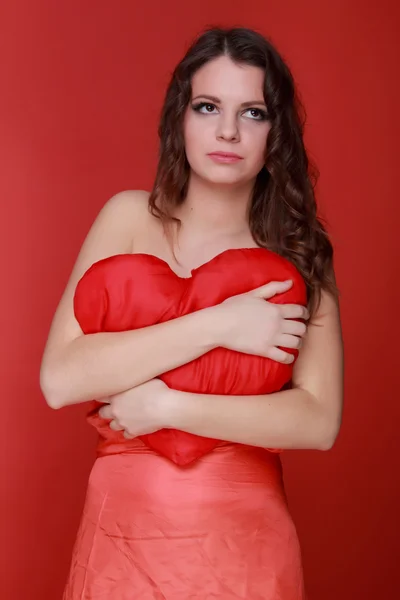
x=227, y=114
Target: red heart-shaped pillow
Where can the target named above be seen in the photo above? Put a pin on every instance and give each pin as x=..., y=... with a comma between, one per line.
x=130, y=291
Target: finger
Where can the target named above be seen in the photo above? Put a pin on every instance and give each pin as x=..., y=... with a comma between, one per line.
x=128, y=436
x=280, y=356
x=115, y=426
x=289, y=341
x=105, y=412
x=294, y=311
x=270, y=289
x=291, y=327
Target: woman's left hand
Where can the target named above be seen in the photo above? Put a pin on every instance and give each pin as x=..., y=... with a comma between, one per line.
x=138, y=411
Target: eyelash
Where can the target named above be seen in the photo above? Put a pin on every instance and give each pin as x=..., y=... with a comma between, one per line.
x=263, y=115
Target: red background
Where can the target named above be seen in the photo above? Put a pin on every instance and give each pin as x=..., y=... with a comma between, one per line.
x=82, y=85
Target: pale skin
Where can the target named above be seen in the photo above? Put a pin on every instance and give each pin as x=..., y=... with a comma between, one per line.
x=122, y=369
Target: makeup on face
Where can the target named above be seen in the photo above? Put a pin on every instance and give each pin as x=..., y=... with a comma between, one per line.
x=213, y=101
x=225, y=157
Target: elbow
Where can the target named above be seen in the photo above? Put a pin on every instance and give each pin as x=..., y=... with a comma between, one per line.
x=50, y=389
x=329, y=436
x=53, y=402
x=327, y=443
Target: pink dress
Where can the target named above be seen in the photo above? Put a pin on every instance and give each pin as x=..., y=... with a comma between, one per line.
x=172, y=515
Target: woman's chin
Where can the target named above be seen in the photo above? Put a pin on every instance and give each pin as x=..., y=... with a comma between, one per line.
x=224, y=179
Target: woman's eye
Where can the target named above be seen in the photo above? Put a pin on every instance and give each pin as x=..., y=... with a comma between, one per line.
x=205, y=107
x=257, y=114
x=209, y=107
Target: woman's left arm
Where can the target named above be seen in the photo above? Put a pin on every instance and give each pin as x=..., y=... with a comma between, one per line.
x=307, y=416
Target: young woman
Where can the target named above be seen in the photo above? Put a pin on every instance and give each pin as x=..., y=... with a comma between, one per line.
x=183, y=317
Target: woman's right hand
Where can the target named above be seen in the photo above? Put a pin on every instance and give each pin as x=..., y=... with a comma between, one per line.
x=249, y=323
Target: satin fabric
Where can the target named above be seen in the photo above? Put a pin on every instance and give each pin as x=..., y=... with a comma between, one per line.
x=216, y=529
x=177, y=516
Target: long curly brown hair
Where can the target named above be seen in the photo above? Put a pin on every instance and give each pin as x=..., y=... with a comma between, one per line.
x=283, y=211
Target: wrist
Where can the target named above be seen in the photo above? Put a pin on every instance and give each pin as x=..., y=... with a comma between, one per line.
x=169, y=408
x=213, y=327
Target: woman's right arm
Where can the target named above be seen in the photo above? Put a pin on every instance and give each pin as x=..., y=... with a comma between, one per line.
x=76, y=367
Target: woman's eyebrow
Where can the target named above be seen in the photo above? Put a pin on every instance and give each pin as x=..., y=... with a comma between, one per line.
x=218, y=101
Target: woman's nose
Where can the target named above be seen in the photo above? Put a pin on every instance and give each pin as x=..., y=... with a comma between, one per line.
x=227, y=128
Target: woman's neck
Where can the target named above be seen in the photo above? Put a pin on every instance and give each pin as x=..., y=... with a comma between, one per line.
x=213, y=208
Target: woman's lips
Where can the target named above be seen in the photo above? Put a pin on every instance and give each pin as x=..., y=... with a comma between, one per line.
x=225, y=157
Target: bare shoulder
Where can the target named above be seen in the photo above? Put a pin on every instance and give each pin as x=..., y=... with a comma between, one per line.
x=131, y=199
x=128, y=204
x=113, y=230
x=116, y=224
